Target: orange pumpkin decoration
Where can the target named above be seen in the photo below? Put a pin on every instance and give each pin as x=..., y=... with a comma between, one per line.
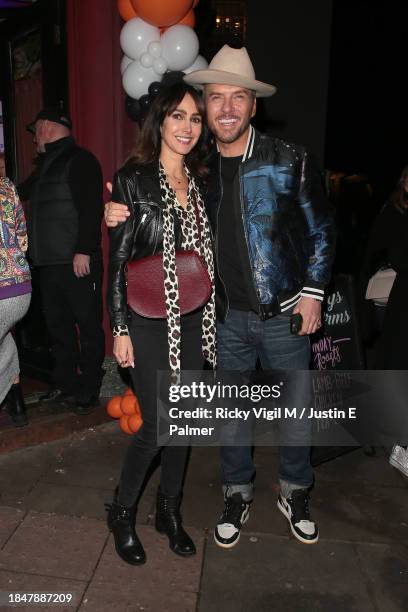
x=113, y=408
x=128, y=405
x=124, y=424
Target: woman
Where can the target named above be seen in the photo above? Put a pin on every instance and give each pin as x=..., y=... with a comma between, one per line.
x=15, y=295
x=160, y=185
x=388, y=244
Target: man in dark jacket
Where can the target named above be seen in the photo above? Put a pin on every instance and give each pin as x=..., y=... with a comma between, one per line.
x=64, y=232
x=274, y=244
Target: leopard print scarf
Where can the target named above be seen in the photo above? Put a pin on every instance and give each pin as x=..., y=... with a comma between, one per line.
x=191, y=241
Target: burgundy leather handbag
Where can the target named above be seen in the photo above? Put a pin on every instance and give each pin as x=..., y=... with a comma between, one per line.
x=145, y=284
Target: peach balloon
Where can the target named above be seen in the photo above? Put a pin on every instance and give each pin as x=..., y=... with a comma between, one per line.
x=162, y=13
x=126, y=10
x=189, y=19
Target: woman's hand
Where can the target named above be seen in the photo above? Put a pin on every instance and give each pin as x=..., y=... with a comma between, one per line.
x=123, y=351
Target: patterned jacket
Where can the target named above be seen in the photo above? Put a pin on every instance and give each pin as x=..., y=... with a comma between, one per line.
x=14, y=268
x=287, y=223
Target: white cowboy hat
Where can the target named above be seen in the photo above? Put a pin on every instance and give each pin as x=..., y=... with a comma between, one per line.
x=231, y=67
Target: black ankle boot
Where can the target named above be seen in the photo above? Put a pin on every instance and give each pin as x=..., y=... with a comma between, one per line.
x=15, y=406
x=121, y=522
x=168, y=521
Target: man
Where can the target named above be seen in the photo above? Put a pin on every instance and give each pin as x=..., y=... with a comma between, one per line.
x=64, y=232
x=274, y=247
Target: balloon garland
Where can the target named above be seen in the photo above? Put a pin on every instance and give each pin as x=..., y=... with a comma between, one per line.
x=159, y=46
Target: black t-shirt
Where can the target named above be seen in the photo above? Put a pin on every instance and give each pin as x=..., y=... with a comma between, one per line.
x=233, y=268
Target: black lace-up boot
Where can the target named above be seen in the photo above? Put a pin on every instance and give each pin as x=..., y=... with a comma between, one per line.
x=121, y=522
x=169, y=522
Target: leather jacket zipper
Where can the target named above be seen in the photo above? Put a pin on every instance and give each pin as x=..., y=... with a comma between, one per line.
x=216, y=238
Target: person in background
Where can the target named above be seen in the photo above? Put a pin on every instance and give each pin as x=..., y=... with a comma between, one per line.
x=2, y=165
x=161, y=185
x=388, y=245
x=64, y=239
x=15, y=295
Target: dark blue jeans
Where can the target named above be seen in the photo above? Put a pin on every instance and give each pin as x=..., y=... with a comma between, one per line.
x=241, y=340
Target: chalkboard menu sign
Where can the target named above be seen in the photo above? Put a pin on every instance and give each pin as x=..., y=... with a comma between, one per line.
x=338, y=344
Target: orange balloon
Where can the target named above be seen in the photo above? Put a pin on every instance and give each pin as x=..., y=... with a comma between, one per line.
x=128, y=404
x=135, y=422
x=195, y=3
x=189, y=19
x=126, y=10
x=162, y=13
x=124, y=424
x=129, y=391
x=113, y=407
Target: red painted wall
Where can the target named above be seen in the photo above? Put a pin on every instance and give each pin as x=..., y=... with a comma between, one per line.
x=97, y=108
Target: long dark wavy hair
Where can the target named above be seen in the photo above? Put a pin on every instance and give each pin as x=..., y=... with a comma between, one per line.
x=399, y=196
x=149, y=144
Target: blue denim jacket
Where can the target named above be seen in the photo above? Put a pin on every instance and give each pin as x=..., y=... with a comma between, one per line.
x=288, y=226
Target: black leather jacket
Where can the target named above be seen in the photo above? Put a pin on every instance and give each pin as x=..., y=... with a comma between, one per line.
x=140, y=235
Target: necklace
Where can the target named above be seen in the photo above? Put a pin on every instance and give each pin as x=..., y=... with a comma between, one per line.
x=174, y=178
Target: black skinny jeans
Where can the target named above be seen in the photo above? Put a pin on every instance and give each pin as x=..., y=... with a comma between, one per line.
x=149, y=339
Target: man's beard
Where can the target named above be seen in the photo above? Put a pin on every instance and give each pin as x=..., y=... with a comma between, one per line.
x=229, y=136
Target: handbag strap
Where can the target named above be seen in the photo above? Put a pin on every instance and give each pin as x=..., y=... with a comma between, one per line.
x=197, y=215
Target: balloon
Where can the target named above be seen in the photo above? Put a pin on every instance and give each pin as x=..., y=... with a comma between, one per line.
x=135, y=37
x=128, y=404
x=136, y=79
x=200, y=64
x=195, y=3
x=135, y=422
x=113, y=408
x=155, y=49
x=180, y=47
x=133, y=111
x=170, y=78
x=188, y=20
x=129, y=391
x=147, y=60
x=126, y=10
x=144, y=102
x=125, y=63
x=124, y=424
x=162, y=12
x=160, y=65
x=154, y=88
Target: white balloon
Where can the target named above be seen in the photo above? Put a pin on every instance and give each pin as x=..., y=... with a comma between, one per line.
x=136, y=35
x=179, y=47
x=200, y=64
x=125, y=63
x=136, y=79
x=147, y=60
x=160, y=65
x=155, y=49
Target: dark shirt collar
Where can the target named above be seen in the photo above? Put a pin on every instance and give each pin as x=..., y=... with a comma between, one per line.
x=50, y=147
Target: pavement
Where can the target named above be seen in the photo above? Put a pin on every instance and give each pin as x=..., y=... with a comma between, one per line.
x=54, y=539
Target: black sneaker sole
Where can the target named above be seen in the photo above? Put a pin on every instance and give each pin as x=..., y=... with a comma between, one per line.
x=293, y=530
x=235, y=542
